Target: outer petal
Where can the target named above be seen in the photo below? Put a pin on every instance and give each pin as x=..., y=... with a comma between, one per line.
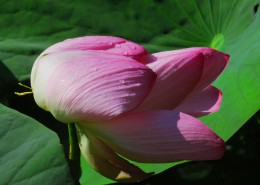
x=160, y=136
x=177, y=76
x=107, y=44
x=81, y=85
x=105, y=161
x=214, y=62
x=173, y=86
x=202, y=103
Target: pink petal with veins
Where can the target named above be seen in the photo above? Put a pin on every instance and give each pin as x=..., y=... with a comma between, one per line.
x=160, y=137
x=105, y=44
x=214, y=62
x=202, y=103
x=181, y=73
x=176, y=77
x=81, y=85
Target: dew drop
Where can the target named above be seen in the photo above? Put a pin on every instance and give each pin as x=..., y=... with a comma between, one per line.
x=122, y=81
x=126, y=53
x=133, y=47
x=118, y=46
x=141, y=71
x=131, y=67
x=94, y=69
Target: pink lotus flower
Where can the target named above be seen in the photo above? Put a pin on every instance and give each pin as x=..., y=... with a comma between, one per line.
x=125, y=101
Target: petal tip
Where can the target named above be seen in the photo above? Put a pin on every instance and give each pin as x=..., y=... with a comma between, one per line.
x=221, y=148
x=226, y=57
x=128, y=178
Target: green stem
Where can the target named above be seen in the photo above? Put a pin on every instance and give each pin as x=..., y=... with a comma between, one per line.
x=71, y=129
x=74, y=151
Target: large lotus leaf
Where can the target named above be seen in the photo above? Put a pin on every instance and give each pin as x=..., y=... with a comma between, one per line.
x=240, y=82
x=232, y=27
x=30, y=153
x=31, y=26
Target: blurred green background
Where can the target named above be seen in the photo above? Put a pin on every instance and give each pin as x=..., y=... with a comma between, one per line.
x=29, y=26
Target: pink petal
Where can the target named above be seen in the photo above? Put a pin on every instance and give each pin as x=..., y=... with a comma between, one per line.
x=214, y=64
x=181, y=73
x=105, y=161
x=201, y=103
x=107, y=44
x=176, y=77
x=81, y=85
x=160, y=136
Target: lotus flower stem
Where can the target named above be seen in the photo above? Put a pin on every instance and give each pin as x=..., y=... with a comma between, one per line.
x=71, y=129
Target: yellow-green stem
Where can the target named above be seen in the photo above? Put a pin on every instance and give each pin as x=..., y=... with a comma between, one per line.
x=71, y=140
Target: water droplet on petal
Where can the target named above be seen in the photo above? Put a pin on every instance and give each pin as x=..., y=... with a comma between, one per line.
x=122, y=81
x=133, y=47
x=118, y=46
x=141, y=71
x=94, y=69
x=126, y=53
